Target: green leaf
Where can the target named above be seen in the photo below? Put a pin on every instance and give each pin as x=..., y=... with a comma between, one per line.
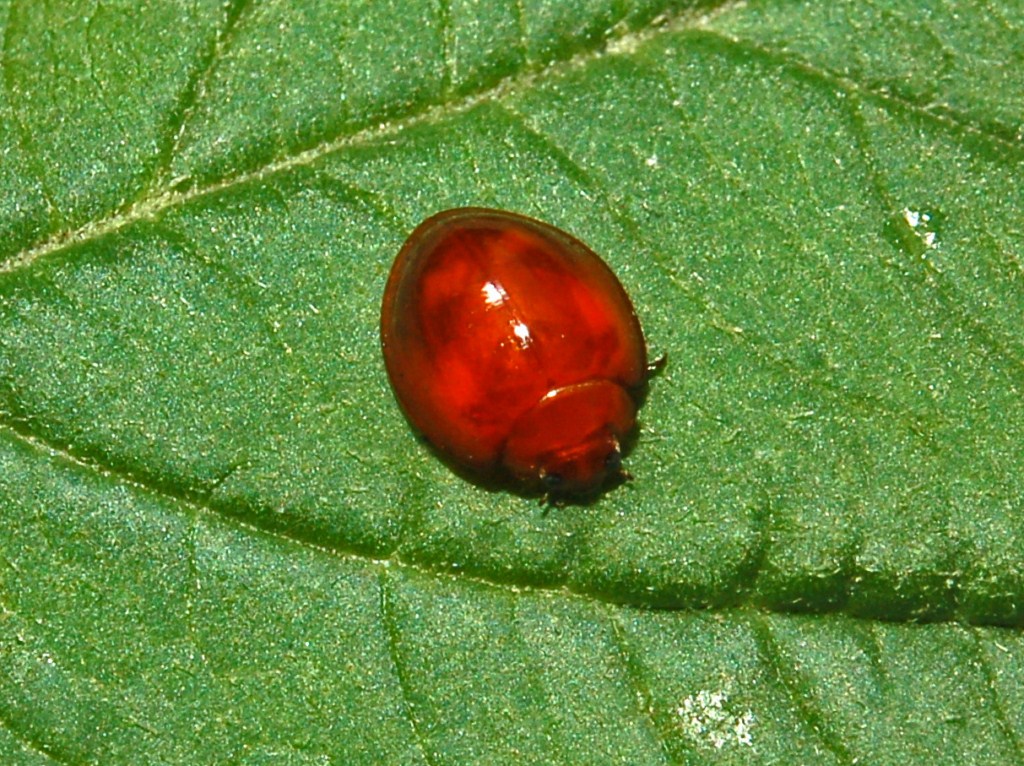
x=219, y=540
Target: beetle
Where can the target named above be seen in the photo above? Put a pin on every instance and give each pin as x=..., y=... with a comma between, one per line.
x=513, y=348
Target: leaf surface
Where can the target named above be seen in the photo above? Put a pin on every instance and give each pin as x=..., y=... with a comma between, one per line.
x=219, y=541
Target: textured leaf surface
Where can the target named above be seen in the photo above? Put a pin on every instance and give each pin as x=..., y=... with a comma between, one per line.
x=219, y=541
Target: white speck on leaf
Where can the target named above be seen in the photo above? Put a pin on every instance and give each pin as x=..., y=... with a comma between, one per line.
x=706, y=718
x=919, y=223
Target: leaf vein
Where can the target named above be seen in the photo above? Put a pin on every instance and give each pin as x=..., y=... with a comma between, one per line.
x=948, y=118
x=31, y=743
x=947, y=292
x=194, y=586
x=98, y=85
x=998, y=705
x=635, y=674
x=193, y=501
x=996, y=11
x=573, y=168
x=193, y=93
x=158, y=200
x=524, y=45
x=25, y=142
x=391, y=630
x=771, y=653
x=444, y=23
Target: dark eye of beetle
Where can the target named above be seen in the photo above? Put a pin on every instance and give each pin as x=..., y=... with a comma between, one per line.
x=551, y=481
x=613, y=462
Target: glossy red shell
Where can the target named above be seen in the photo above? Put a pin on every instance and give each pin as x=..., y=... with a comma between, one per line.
x=513, y=349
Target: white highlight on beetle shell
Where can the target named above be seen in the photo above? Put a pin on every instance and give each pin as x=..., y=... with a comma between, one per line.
x=494, y=296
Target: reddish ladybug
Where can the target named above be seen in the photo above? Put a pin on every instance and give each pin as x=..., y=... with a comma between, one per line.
x=514, y=349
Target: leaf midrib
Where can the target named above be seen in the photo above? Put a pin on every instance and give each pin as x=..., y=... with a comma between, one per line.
x=199, y=505
x=693, y=20
x=153, y=206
